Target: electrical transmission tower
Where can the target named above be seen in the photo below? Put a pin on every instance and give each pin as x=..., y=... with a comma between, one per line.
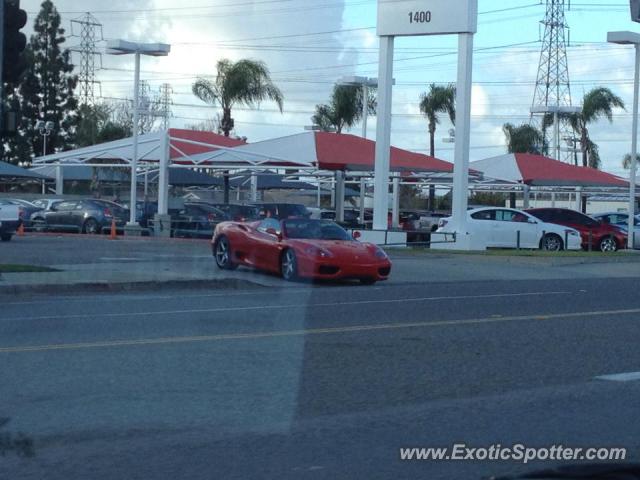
x=165, y=104
x=553, y=92
x=89, y=29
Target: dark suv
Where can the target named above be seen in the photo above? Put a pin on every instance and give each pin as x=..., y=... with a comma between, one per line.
x=283, y=210
x=594, y=234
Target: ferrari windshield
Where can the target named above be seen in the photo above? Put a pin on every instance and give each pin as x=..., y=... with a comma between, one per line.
x=314, y=229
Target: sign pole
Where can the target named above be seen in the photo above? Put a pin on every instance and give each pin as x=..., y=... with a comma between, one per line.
x=463, y=131
x=383, y=134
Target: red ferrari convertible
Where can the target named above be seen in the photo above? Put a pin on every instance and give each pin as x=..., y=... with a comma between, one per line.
x=304, y=248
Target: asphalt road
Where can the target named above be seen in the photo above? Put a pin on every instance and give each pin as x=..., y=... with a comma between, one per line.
x=323, y=382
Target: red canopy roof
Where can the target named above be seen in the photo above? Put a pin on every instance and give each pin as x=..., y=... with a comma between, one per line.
x=349, y=152
x=538, y=170
x=180, y=149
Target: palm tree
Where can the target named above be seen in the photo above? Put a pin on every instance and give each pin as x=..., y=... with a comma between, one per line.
x=243, y=82
x=626, y=161
x=344, y=108
x=440, y=99
x=523, y=139
x=597, y=103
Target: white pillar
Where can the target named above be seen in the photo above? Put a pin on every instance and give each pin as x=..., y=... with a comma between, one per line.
x=634, y=151
x=553, y=199
x=395, y=211
x=463, y=130
x=339, y=196
x=163, y=174
x=383, y=134
x=134, y=156
x=59, y=180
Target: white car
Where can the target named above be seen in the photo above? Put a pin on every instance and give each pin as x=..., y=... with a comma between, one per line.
x=506, y=227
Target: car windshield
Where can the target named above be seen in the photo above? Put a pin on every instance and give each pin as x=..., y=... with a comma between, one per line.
x=314, y=229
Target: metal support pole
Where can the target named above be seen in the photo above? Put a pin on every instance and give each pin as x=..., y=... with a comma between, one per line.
x=134, y=157
x=634, y=152
x=383, y=134
x=525, y=196
x=556, y=134
x=254, y=187
x=59, y=180
x=363, y=193
x=395, y=211
x=463, y=121
x=163, y=175
x=339, y=196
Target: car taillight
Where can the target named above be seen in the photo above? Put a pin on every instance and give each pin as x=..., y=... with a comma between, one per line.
x=211, y=217
x=107, y=212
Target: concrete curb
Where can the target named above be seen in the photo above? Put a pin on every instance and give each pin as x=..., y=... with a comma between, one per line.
x=140, y=286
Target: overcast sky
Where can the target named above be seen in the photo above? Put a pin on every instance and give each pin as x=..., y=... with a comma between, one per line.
x=308, y=45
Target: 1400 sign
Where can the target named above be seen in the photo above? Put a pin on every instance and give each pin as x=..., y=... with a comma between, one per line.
x=423, y=16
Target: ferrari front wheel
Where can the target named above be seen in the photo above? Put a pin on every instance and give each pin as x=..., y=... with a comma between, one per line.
x=222, y=254
x=289, y=265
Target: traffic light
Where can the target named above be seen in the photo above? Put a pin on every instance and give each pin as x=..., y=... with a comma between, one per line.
x=13, y=41
x=635, y=10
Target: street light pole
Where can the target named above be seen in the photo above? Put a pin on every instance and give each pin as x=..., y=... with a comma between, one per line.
x=631, y=38
x=123, y=47
x=134, y=156
x=634, y=152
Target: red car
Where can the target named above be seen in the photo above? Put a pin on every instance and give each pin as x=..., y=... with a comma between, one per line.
x=299, y=248
x=595, y=235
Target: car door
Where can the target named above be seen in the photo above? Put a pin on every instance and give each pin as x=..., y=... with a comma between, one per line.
x=265, y=251
x=509, y=225
x=483, y=224
x=61, y=216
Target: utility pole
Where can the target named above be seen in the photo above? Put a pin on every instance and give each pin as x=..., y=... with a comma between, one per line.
x=552, y=91
x=90, y=33
x=166, y=102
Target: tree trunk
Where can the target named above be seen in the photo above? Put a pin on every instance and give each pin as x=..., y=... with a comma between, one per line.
x=227, y=122
x=584, y=141
x=432, y=152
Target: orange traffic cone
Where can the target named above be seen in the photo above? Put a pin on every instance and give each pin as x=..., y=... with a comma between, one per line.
x=20, y=231
x=112, y=234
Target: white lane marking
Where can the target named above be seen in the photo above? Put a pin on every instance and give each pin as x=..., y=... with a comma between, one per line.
x=311, y=331
x=620, y=377
x=138, y=297
x=285, y=306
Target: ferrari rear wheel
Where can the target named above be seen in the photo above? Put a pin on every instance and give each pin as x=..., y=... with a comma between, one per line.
x=289, y=265
x=222, y=253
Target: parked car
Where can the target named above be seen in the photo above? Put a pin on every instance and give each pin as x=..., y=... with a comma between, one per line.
x=595, y=234
x=621, y=219
x=196, y=220
x=25, y=209
x=9, y=220
x=236, y=212
x=299, y=247
x=282, y=210
x=37, y=218
x=351, y=217
x=86, y=216
x=505, y=227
